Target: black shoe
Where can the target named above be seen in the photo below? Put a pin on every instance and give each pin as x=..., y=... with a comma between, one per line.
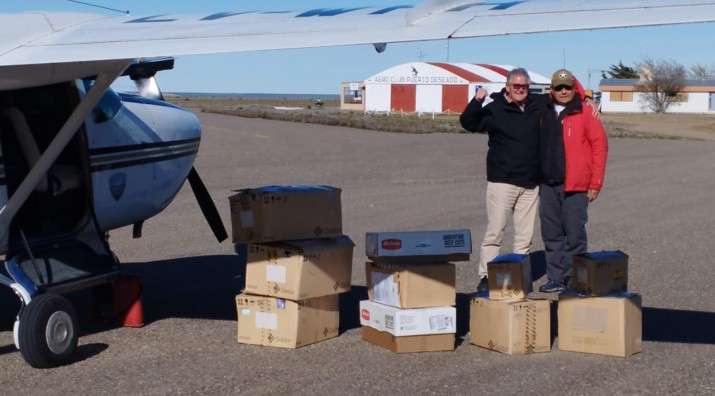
x=483, y=285
x=551, y=287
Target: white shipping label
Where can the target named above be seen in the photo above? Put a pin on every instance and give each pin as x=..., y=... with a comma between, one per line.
x=389, y=321
x=384, y=288
x=440, y=323
x=590, y=319
x=503, y=278
x=276, y=273
x=581, y=274
x=247, y=218
x=266, y=320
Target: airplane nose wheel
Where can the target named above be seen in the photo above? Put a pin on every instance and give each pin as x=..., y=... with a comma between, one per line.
x=48, y=331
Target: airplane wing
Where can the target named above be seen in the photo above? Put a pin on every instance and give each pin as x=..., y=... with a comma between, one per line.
x=47, y=38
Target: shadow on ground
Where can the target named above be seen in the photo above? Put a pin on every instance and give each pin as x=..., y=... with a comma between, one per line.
x=672, y=325
x=204, y=287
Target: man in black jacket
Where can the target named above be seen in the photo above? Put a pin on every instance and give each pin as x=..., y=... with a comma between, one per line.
x=512, y=122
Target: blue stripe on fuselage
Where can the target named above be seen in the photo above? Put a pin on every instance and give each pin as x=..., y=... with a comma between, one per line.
x=131, y=98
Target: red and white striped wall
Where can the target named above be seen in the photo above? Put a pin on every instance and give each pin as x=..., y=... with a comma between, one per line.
x=434, y=86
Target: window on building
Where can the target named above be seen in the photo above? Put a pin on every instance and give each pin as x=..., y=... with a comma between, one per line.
x=352, y=95
x=621, y=96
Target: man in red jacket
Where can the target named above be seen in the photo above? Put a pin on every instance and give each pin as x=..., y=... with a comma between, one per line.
x=572, y=164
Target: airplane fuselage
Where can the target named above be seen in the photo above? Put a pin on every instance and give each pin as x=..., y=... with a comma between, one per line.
x=125, y=164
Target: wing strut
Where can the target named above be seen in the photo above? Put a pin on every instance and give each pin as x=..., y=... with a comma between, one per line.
x=103, y=81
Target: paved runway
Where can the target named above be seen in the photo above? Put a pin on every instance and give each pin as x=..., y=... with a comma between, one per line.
x=657, y=206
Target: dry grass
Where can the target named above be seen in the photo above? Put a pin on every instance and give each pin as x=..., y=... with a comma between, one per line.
x=327, y=114
x=650, y=126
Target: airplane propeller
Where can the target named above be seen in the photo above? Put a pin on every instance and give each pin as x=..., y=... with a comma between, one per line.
x=207, y=205
x=142, y=73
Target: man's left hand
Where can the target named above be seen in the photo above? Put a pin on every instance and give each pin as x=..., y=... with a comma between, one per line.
x=592, y=194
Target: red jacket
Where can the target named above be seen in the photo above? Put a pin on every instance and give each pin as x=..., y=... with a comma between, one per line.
x=573, y=146
x=585, y=151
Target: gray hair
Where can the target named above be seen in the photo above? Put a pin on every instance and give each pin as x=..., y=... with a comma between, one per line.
x=519, y=71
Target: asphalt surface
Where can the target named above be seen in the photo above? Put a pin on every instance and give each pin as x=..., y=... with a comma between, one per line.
x=657, y=206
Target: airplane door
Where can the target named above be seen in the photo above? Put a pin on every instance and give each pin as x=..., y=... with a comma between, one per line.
x=4, y=126
x=59, y=204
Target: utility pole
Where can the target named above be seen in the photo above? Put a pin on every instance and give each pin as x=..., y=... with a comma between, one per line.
x=420, y=54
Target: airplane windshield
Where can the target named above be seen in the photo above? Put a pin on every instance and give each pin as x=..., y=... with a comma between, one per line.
x=108, y=105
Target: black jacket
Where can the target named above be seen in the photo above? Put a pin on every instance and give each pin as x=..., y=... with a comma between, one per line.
x=513, y=155
x=552, y=161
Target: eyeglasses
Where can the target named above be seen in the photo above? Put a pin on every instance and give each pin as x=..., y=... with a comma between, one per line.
x=562, y=87
x=520, y=86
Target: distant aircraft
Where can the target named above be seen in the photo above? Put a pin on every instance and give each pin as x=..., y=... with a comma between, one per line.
x=79, y=160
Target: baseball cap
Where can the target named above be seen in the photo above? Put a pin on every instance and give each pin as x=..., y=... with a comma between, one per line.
x=562, y=77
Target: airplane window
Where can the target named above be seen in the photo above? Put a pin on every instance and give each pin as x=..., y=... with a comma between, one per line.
x=108, y=105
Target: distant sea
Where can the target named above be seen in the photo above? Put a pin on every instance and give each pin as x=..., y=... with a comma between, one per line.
x=258, y=95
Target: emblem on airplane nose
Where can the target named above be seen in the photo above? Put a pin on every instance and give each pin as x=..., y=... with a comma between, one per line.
x=117, y=183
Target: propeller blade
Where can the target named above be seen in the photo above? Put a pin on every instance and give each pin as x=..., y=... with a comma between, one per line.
x=207, y=205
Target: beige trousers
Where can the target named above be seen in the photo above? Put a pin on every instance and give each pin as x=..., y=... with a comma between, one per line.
x=505, y=201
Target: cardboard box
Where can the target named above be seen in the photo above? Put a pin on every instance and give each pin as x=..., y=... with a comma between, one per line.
x=300, y=269
x=600, y=273
x=284, y=323
x=411, y=286
x=602, y=325
x=511, y=327
x=509, y=277
x=418, y=246
x=278, y=213
x=408, y=322
x=409, y=344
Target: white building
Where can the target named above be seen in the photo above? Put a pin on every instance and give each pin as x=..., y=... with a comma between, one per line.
x=622, y=96
x=429, y=87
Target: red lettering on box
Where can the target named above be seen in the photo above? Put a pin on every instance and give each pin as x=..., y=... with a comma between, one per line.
x=365, y=314
x=391, y=244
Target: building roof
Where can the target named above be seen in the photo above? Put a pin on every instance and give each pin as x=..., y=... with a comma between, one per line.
x=608, y=84
x=447, y=73
x=634, y=81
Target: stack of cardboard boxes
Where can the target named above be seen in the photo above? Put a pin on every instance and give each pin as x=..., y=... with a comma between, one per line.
x=411, y=289
x=297, y=263
x=598, y=314
x=506, y=320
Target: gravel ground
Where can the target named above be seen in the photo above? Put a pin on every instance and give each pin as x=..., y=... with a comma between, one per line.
x=657, y=206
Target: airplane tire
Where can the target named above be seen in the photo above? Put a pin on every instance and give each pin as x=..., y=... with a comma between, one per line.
x=48, y=331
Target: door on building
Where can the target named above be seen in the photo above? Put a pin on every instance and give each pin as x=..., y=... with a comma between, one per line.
x=712, y=101
x=403, y=97
x=454, y=98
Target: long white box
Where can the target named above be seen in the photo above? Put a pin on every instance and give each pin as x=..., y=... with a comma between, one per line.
x=407, y=322
x=418, y=246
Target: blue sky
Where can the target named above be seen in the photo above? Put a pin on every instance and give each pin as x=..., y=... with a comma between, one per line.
x=320, y=71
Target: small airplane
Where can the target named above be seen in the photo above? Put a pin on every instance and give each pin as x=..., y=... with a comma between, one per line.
x=79, y=159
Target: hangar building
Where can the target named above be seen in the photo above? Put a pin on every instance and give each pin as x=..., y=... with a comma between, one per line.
x=428, y=87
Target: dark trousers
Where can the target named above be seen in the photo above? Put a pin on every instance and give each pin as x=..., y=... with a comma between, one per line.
x=563, y=228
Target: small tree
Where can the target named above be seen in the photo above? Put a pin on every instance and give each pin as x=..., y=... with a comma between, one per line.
x=620, y=71
x=661, y=82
